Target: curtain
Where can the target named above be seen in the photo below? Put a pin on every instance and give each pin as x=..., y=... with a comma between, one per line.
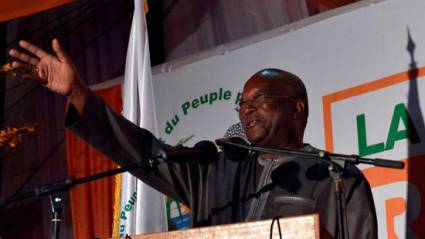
x=10, y=9
x=191, y=26
x=92, y=203
x=95, y=34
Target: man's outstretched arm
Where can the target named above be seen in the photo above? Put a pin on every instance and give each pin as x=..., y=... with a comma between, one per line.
x=91, y=119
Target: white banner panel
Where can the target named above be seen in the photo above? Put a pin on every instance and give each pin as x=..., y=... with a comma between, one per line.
x=355, y=62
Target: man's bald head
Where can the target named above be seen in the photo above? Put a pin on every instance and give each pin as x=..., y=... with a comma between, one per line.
x=287, y=79
x=273, y=109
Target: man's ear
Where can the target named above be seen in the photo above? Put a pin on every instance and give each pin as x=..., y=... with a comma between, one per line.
x=299, y=110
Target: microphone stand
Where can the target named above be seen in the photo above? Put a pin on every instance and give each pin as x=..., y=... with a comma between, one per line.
x=57, y=205
x=337, y=163
x=56, y=199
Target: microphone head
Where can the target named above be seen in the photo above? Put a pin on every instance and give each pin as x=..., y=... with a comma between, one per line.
x=208, y=150
x=224, y=142
x=235, y=130
x=239, y=140
x=231, y=146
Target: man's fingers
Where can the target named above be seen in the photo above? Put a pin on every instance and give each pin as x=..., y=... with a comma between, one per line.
x=60, y=52
x=23, y=57
x=25, y=67
x=32, y=48
x=18, y=65
x=30, y=72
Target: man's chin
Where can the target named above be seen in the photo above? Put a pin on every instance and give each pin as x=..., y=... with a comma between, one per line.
x=256, y=135
x=255, y=139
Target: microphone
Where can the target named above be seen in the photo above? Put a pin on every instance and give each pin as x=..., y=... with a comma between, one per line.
x=232, y=141
x=234, y=146
x=203, y=152
x=235, y=130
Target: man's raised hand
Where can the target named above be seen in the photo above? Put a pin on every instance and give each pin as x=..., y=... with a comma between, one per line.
x=57, y=72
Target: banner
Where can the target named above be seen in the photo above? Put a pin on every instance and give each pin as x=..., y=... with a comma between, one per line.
x=363, y=66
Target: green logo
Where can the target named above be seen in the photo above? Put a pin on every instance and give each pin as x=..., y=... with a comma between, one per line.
x=191, y=105
x=408, y=131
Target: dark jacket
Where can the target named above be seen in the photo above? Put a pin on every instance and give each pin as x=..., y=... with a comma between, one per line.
x=231, y=188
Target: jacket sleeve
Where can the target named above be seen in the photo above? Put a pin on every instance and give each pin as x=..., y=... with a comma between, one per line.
x=125, y=143
x=360, y=208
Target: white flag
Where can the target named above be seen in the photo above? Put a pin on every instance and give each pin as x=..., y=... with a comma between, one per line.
x=142, y=208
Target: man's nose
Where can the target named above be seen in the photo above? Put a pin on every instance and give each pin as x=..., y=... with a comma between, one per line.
x=247, y=110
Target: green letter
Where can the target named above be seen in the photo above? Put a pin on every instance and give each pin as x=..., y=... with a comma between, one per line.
x=238, y=98
x=185, y=107
x=128, y=207
x=365, y=149
x=409, y=131
x=213, y=97
x=169, y=128
x=195, y=103
x=227, y=95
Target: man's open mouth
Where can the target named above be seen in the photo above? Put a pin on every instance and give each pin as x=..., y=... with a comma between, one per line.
x=251, y=123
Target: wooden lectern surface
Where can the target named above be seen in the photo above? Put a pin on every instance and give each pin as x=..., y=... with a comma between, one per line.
x=300, y=227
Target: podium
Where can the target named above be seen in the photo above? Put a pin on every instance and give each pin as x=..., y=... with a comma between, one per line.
x=299, y=227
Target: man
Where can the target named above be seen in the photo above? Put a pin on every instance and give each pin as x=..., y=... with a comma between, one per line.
x=273, y=111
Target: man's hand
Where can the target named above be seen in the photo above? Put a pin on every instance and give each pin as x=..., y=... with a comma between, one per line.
x=57, y=72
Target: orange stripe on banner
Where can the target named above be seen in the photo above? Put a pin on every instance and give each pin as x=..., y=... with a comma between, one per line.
x=328, y=100
x=394, y=207
x=327, y=119
x=10, y=9
x=379, y=176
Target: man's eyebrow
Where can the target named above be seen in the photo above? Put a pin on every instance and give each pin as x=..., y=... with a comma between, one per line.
x=259, y=92
x=264, y=91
